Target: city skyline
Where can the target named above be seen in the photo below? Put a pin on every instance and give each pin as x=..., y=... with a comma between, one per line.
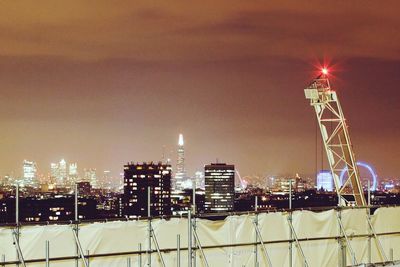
x=231, y=79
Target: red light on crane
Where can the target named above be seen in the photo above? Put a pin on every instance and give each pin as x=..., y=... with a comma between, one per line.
x=324, y=71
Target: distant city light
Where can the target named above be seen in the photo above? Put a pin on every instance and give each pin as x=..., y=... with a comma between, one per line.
x=325, y=181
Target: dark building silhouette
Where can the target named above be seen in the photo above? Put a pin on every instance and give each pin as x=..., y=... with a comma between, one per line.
x=84, y=188
x=50, y=208
x=219, y=187
x=137, y=179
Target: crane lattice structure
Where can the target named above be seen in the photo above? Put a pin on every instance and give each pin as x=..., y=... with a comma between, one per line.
x=336, y=138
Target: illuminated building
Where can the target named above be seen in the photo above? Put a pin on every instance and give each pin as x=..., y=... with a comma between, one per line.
x=72, y=173
x=137, y=179
x=62, y=172
x=325, y=181
x=30, y=173
x=58, y=172
x=106, y=181
x=180, y=165
x=199, y=178
x=53, y=172
x=84, y=188
x=219, y=187
x=90, y=176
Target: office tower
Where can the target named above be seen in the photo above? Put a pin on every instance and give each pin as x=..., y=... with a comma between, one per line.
x=90, y=176
x=30, y=173
x=199, y=178
x=62, y=172
x=53, y=172
x=180, y=165
x=325, y=181
x=72, y=173
x=137, y=179
x=219, y=187
x=106, y=181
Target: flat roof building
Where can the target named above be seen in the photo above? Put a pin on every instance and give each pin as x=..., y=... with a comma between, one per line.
x=219, y=187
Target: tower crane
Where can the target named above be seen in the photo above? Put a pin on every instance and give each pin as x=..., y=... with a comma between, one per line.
x=336, y=138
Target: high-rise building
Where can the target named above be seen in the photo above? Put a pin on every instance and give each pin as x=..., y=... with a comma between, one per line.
x=72, y=173
x=199, y=178
x=62, y=172
x=106, y=180
x=219, y=187
x=180, y=173
x=30, y=173
x=90, y=176
x=53, y=172
x=138, y=178
x=325, y=181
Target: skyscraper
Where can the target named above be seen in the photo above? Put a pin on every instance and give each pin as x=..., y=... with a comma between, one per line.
x=53, y=172
x=90, y=176
x=62, y=172
x=137, y=179
x=72, y=173
x=219, y=187
x=30, y=173
x=180, y=173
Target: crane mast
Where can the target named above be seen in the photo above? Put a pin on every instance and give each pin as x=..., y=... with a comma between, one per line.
x=336, y=138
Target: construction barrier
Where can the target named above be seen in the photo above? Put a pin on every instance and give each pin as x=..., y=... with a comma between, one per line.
x=299, y=238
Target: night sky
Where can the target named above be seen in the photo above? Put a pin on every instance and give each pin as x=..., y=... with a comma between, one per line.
x=107, y=82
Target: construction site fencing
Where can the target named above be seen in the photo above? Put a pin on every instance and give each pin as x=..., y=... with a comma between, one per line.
x=336, y=237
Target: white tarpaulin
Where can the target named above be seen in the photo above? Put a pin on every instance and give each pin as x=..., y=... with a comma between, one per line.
x=229, y=242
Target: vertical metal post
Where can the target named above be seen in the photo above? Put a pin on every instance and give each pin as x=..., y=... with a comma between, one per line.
x=342, y=244
x=140, y=255
x=128, y=262
x=190, y=238
x=369, y=217
x=343, y=232
x=290, y=222
x=256, y=237
x=194, y=223
x=17, y=232
x=88, y=257
x=258, y=233
x=194, y=197
x=76, y=227
x=391, y=254
x=3, y=260
x=76, y=203
x=149, y=226
x=47, y=253
x=178, y=251
x=17, y=206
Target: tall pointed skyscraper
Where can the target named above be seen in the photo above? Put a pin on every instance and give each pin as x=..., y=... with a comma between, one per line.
x=180, y=172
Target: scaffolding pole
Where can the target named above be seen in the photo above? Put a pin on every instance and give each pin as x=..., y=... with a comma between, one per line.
x=149, y=227
x=78, y=244
x=297, y=242
x=190, y=238
x=76, y=225
x=256, y=237
x=19, y=251
x=258, y=233
x=380, y=247
x=154, y=238
x=47, y=247
x=198, y=245
x=290, y=222
x=178, y=251
x=343, y=231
